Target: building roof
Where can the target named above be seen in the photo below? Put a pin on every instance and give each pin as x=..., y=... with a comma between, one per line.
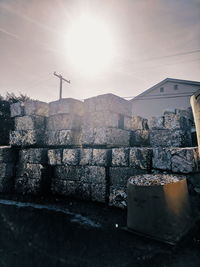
x=163, y=82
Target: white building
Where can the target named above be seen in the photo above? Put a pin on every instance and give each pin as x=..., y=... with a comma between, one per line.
x=170, y=94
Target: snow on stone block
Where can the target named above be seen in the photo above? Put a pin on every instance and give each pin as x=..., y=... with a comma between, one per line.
x=33, y=155
x=70, y=156
x=55, y=157
x=26, y=138
x=120, y=157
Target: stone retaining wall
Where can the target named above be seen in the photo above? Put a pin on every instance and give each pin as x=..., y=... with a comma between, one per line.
x=88, y=150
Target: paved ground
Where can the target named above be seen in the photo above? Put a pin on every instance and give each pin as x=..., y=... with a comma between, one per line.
x=72, y=233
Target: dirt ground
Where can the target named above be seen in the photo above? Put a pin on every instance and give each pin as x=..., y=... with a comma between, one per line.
x=73, y=233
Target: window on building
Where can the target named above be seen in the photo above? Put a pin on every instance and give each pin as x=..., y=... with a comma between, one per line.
x=176, y=87
x=161, y=89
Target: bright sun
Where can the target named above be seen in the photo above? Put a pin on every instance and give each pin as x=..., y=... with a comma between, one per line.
x=90, y=46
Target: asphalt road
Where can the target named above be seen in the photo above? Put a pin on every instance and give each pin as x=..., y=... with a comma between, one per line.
x=72, y=233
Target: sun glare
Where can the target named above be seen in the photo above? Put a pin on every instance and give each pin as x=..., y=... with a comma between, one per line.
x=90, y=46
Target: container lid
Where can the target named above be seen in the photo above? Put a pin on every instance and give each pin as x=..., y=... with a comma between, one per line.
x=154, y=179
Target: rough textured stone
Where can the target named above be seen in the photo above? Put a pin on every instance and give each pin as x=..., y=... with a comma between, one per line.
x=120, y=175
x=94, y=175
x=6, y=170
x=176, y=121
x=184, y=160
x=24, y=185
x=33, y=155
x=167, y=138
x=30, y=170
x=140, y=158
x=105, y=136
x=101, y=119
x=98, y=192
x=7, y=154
x=36, y=108
x=120, y=156
x=161, y=158
x=135, y=123
x=72, y=173
x=71, y=188
x=55, y=157
x=118, y=197
x=17, y=109
x=66, y=106
x=86, y=156
x=29, y=123
x=62, y=138
x=70, y=156
x=101, y=157
x=108, y=102
x=26, y=138
x=64, y=122
x=156, y=123
x=139, y=138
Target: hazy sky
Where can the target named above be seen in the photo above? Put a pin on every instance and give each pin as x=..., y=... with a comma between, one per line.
x=152, y=40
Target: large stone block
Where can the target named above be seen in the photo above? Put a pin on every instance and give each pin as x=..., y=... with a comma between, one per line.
x=98, y=193
x=162, y=158
x=184, y=160
x=30, y=170
x=33, y=155
x=66, y=105
x=109, y=137
x=120, y=157
x=7, y=154
x=64, y=122
x=176, y=121
x=135, y=123
x=169, y=138
x=101, y=157
x=118, y=197
x=29, y=123
x=86, y=155
x=62, y=138
x=26, y=138
x=36, y=108
x=139, y=138
x=17, y=109
x=101, y=119
x=55, y=157
x=70, y=156
x=108, y=102
x=140, y=158
x=71, y=189
x=72, y=173
x=94, y=175
x=25, y=185
x=120, y=175
x=6, y=170
x=156, y=123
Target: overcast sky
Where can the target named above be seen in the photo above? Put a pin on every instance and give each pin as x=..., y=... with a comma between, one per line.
x=152, y=39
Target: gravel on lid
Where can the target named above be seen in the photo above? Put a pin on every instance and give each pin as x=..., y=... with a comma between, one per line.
x=154, y=179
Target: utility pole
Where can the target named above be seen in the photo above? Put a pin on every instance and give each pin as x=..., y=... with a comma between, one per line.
x=61, y=79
